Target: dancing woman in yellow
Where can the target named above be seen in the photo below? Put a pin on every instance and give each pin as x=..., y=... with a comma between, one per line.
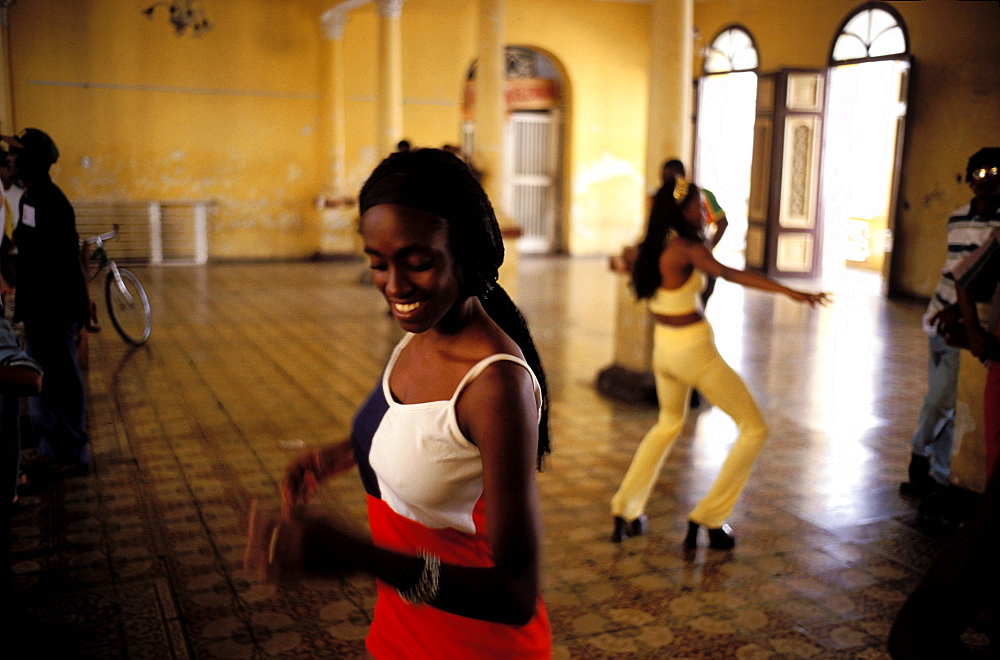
x=670, y=272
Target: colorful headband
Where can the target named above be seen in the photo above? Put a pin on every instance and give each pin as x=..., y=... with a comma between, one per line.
x=680, y=188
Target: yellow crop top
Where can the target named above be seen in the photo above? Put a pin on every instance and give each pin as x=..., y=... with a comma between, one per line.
x=685, y=299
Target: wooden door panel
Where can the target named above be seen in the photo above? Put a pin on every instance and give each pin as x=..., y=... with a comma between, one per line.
x=783, y=238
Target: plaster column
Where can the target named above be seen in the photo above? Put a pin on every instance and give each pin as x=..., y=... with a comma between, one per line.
x=490, y=108
x=335, y=97
x=390, y=76
x=337, y=206
x=668, y=134
x=671, y=94
x=489, y=112
x=6, y=99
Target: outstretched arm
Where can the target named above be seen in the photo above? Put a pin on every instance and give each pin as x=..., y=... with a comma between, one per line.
x=702, y=259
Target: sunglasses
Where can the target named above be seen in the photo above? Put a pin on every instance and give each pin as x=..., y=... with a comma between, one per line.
x=981, y=173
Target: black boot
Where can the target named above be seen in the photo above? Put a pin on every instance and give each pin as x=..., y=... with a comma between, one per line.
x=623, y=529
x=691, y=539
x=919, y=474
x=720, y=538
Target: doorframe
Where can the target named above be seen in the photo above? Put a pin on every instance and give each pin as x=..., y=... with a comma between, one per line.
x=554, y=102
x=888, y=274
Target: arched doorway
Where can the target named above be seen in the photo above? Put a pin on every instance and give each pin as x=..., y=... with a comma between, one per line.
x=727, y=94
x=533, y=147
x=865, y=115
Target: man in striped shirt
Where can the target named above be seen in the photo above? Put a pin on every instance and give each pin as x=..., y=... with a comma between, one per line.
x=968, y=228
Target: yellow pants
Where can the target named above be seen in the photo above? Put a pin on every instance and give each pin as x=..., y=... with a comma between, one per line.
x=684, y=358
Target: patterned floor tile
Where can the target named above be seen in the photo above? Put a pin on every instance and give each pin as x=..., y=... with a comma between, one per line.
x=142, y=557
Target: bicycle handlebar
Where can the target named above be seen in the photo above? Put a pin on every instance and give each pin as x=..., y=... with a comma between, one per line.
x=97, y=240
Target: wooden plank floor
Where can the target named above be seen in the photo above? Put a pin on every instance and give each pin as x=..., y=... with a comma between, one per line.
x=248, y=363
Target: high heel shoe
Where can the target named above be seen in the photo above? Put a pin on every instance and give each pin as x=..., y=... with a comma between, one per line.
x=720, y=538
x=624, y=529
x=691, y=539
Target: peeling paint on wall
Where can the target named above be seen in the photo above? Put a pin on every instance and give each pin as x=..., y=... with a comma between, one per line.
x=607, y=205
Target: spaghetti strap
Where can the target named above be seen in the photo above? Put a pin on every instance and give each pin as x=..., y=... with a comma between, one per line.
x=480, y=366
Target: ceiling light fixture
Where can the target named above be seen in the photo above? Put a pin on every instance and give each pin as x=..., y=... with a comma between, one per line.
x=183, y=14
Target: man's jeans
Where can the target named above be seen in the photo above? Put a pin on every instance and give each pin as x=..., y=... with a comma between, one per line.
x=936, y=426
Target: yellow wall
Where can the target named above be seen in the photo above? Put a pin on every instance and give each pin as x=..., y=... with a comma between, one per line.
x=596, y=46
x=241, y=115
x=230, y=116
x=955, y=47
x=604, y=47
x=438, y=44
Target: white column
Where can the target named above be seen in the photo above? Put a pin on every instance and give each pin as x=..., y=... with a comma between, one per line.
x=490, y=106
x=668, y=128
x=201, y=233
x=335, y=117
x=490, y=113
x=155, y=233
x=390, y=87
x=668, y=134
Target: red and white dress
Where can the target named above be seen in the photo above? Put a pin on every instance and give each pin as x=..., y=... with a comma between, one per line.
x=424, y=481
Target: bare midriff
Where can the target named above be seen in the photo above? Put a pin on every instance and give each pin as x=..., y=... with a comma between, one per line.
x=679, y=319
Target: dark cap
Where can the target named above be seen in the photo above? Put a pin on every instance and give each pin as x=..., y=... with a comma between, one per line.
x=985, y=157
x=37, y=145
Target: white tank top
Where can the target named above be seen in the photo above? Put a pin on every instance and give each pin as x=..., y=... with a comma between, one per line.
x=427, y=470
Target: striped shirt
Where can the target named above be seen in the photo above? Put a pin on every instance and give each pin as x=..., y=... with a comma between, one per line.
x=967, y=230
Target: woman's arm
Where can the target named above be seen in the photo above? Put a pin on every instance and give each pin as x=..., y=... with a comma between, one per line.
x=304, y=474
x=720, y=229
x=968, y=333
x=701, y=258
x=497, y=412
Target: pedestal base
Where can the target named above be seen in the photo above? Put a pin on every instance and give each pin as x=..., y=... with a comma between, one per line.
x=626, y=385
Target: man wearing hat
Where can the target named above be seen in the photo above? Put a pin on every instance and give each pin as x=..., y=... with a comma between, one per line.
x=52, y=300
x=931, y=443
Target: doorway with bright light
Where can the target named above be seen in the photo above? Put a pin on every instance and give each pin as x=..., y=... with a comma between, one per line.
x=724, y=134
x=865, y=115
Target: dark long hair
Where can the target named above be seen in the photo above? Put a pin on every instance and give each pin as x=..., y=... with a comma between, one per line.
x=440, y=183
x=664, y=217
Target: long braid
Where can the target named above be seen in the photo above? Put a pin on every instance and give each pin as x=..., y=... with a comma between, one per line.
x=505, y=314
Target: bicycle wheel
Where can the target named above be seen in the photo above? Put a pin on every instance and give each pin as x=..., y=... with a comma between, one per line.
x=128, y=306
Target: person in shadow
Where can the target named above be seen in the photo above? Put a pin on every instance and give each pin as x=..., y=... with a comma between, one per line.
x=53, y=303
x=964, y=579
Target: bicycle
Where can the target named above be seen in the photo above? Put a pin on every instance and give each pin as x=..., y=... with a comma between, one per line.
x=128, y=305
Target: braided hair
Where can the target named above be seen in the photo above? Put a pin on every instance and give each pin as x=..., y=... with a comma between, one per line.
x=665, y=218
x=442, y=184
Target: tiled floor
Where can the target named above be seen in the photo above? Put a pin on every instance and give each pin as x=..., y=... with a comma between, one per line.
x=248, y=363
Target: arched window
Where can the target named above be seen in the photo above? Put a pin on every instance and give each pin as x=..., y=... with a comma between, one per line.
x=873, y=31
x=733, y=50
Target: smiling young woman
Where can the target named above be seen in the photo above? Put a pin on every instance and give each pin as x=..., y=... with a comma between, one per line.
x=448, y=442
